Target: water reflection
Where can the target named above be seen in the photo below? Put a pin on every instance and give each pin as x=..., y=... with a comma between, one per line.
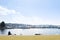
x=2, y=31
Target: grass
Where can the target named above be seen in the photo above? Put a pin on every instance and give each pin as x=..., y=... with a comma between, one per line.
x=40, y=37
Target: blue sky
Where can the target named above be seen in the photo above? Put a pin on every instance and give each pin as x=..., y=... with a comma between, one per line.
x=30, y=11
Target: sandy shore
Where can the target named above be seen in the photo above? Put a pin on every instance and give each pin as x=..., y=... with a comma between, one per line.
x=40, y=37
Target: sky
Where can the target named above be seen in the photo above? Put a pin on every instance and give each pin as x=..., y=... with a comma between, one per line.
x=35, y=12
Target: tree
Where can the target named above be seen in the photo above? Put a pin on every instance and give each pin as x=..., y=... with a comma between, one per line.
x=2, y=25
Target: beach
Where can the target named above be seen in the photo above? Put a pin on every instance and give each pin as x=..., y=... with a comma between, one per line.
x=31, y=37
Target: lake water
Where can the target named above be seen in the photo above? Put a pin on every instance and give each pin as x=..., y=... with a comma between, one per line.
x=30, y=31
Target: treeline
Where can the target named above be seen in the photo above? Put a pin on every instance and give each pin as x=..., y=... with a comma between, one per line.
x=4, y=25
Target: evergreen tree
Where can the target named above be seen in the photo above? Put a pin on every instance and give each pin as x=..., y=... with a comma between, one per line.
x=2, y=25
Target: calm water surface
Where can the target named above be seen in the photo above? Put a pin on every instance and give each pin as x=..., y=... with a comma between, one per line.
x=30, y=31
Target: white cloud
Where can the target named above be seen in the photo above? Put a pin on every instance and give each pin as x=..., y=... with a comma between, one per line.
x=17, y=17
x=5, y=11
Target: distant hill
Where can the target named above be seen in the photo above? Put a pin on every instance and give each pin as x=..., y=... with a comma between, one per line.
x=26, y=26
